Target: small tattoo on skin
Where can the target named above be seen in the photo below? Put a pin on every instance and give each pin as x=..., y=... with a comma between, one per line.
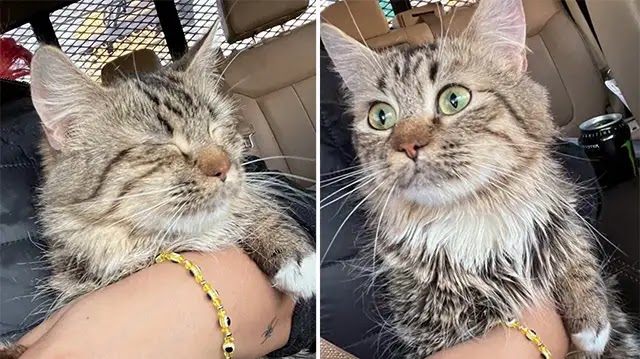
x=269, y=331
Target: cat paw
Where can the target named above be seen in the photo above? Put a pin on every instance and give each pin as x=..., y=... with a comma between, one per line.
x=298, y=278
x=592, y=341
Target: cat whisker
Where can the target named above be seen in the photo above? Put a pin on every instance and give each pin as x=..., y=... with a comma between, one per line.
x=375, y=240
x=359, y=180
x=368, y=181
x=568, y=206
x=277, y=157
x=347, y=218
x=350, y=168
x=260, y=174
x=342, y=177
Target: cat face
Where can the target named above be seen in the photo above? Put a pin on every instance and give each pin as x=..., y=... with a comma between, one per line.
x=444, y=121
x=158, y=150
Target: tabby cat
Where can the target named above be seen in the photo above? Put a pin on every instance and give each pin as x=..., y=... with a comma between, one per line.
x=152, y=163
x=473, y=220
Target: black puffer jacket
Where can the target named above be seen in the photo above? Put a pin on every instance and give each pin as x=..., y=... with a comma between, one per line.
x=351, y=315
x=21, y=248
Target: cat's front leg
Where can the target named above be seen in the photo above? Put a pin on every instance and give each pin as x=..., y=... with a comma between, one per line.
x=284, y=253
x=583, y=300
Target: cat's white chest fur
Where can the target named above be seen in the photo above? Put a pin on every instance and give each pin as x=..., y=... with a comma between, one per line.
x=470, y=237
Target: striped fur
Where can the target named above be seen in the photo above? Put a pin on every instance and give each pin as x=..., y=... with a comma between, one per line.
x=482, y=224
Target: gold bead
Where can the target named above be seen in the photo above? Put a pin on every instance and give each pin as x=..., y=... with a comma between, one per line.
x=545, y=352
x=216, y=302
x=175, y=257
x=226, y=331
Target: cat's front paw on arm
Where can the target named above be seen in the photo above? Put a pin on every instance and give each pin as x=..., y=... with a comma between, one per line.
x=297, y=278
x=593, y=338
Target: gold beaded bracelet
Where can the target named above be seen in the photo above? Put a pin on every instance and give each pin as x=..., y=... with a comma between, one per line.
x=530, y=335
x=228, y=346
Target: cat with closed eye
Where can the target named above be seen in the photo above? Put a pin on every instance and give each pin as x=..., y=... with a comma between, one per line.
x=153, y=163
x=472, y=220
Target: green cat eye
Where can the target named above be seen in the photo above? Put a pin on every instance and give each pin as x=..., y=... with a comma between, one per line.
x=453, y=99
x=382, y=116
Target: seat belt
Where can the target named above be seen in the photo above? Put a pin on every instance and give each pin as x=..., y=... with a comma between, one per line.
x=589, y=37
x=614, y=94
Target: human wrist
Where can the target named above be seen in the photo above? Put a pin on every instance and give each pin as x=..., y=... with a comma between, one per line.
x=162, y=312
x=260, y=315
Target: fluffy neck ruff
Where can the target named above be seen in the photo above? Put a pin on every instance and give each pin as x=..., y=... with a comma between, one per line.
x=499, y=223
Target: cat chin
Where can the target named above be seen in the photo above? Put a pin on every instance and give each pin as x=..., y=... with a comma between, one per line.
x=445, y=192
x=431, y=196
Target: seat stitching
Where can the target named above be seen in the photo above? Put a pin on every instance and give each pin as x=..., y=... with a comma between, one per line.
x=272, y=133
x=302, y=103
x=560, y=76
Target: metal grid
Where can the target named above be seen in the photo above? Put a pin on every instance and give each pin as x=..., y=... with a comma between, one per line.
x=387, y=9
x=94, y=32
x=202, y=16
x=448, y=4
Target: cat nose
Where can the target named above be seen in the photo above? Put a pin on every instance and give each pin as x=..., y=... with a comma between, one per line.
x=410, y=149
x=213, y=162
x=410, y=135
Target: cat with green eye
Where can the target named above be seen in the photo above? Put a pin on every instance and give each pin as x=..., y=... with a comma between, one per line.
x=452, y=99
x=471, y=219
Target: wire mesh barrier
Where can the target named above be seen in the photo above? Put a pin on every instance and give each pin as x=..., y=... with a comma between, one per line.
x=93, y=32
x=448, y=4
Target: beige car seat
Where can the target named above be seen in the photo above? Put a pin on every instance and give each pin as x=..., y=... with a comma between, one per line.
x=364, y=20
x=617, y=27
x=275, y=81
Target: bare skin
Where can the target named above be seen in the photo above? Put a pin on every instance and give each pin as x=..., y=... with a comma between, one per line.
x=160, y=312
x=504, y=343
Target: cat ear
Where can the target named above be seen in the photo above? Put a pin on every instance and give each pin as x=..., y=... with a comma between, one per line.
x=204, y=57
x=500, y=26
x=350, y=58
x=61, y=93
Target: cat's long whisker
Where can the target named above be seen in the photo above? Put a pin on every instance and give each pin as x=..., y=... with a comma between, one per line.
x=365, y=183
x=221, y=76
x=342, y=177
x=375, y=240
x=277, y=157
x=279, y=194
x=284, y=186
x=302, y=178
x=355, y=182
x=349, y=168
x=347, y=218
x=149, y=212
x=569, y=207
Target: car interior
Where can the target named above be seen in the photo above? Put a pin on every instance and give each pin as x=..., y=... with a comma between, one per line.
x=273, y=80
x=574, y=47
x=269, y=68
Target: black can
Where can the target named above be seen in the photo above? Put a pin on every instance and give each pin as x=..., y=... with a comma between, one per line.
x=607, y=142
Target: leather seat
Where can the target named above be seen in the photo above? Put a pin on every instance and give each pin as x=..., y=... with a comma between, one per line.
x=275, y=82
x=617, y=27
x=559, y=58
x=364, y=21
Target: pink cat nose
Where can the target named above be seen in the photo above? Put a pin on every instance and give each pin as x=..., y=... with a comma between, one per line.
x=411, y=149
x=213, y=162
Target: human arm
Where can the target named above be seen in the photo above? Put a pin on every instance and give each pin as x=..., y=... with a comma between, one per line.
x=162, y=312
x=506, y=343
